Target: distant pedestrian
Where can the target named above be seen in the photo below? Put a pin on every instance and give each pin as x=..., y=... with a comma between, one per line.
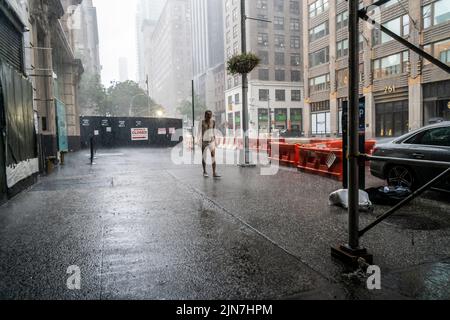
x=208, y=140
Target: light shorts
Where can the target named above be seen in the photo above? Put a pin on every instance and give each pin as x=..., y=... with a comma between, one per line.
x=209, y=145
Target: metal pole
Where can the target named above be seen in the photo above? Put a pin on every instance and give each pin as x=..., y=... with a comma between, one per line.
x=193, y=116
x=148, y=99
x=353, y=126
x=269, y=116
x=244, y=86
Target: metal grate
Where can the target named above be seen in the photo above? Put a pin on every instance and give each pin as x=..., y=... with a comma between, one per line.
x=11, y=43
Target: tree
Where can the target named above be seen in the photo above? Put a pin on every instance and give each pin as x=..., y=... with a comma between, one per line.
x=92, y=95
x=185, y=108
x=128, y=99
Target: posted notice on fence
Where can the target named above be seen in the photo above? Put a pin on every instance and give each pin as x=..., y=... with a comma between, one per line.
x=139, y=134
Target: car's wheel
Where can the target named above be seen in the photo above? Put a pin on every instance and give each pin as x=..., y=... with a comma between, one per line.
x=400, y=176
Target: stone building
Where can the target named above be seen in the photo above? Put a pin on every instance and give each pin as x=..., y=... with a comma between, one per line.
x=168, y=56
x=276, y=86
x=402, y=91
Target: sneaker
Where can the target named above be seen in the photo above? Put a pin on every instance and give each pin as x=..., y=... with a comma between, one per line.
x=205, y=175
x=217, y=176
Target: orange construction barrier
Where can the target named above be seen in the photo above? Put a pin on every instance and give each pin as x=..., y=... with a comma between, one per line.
x=320, y=160
x=283, y=152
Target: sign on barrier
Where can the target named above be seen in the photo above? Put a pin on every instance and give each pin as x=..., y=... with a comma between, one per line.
x=139, y=134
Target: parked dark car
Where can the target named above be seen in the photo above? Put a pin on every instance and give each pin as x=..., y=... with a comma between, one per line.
x=428, y=143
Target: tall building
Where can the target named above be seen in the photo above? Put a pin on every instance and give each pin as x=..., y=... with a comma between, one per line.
x=148, y=12
x=123, y=69
x=402, y=91
x=208, y=54
x=277, y=84
x=86, y=39
x=169, y=56
x=38, y=68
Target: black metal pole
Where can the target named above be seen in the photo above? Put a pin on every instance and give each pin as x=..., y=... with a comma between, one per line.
x=148, y=98
x=92, y=149
x=353, y=126
x=193, y=117
x=244, y=86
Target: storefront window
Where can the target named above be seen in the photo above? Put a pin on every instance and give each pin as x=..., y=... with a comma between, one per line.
x=296, y=121
x=320, y=118
x=437, y=111
x=230, y=122
x=392, y=119
x=263, y=120
x=321, y=123
x=281, y=119
x=237, y=120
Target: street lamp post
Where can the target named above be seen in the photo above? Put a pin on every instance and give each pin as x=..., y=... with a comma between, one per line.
x=244, y=87
x=245, y=114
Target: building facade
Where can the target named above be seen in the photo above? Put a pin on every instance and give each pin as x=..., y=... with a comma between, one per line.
x=276, y=86
x=402, y=91
x=86, y=39
x=169, y=56
x=38, y=89
x=208, y=54
x=148, y=13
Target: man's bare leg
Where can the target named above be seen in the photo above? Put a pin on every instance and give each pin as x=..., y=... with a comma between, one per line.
x=214, y=164
x=204, y=155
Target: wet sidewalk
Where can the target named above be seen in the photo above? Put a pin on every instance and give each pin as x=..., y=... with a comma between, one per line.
x=141, y=227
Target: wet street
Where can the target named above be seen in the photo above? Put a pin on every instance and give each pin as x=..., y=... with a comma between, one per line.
x=140, y=226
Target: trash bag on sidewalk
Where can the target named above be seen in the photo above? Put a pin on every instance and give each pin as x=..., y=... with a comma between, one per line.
x=388, y=196
x=340, y=198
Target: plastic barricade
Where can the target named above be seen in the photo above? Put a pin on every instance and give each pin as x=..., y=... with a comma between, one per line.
x=320, y=160
x=284, y=153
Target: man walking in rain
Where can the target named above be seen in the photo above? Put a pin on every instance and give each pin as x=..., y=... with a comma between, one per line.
x=208, y=140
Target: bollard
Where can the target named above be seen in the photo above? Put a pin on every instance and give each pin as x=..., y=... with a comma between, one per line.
x=92, y=150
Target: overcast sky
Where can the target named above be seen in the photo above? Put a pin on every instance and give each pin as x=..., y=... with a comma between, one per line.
x=117, y=32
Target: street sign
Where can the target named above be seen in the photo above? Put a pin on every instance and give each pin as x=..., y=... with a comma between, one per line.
x=362, y=140
x=139, y=134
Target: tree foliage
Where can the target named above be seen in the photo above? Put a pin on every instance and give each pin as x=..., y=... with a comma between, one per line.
x=121, y=99
x=128, y=99
x=185, y=108
x=92, y=95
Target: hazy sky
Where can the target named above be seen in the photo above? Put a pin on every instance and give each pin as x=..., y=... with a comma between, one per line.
x=117, y=32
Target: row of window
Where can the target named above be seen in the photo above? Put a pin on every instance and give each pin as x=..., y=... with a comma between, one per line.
x=279, y=58
x=280, y=95
x=280, y=75
x=278, y=23
x=433, y=14
x=385, y=67
x=279, y=41
x=279, y=6
x=264, y=75
x=264, y=95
